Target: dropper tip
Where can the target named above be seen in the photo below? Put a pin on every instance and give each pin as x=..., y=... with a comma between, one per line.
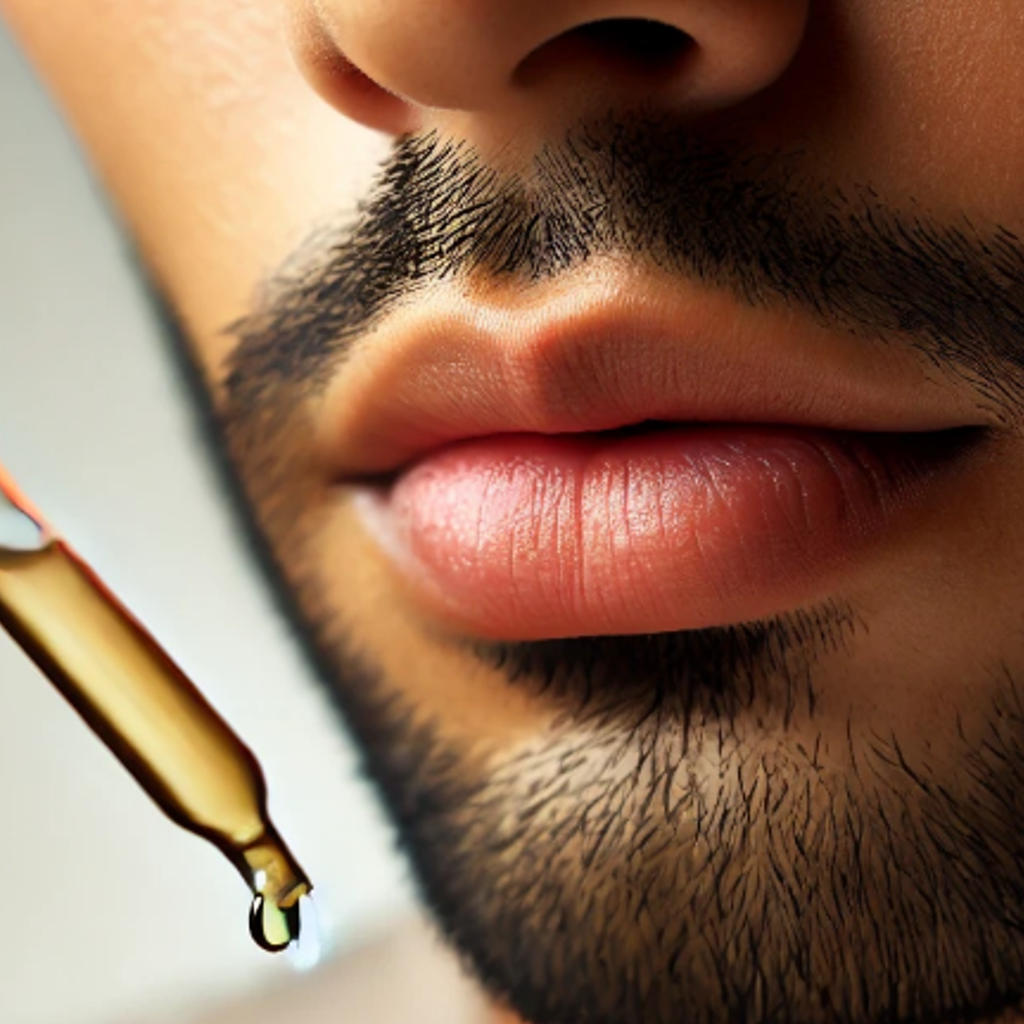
x=278, y=885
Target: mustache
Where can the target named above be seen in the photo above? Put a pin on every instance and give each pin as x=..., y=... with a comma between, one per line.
x=648, y=190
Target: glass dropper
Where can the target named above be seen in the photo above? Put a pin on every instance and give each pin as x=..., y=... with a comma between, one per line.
x=144, y=708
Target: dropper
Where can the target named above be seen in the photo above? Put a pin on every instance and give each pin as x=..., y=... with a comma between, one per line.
x=144, y=708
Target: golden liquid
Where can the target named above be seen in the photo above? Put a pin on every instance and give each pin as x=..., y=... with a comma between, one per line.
x=273, y=927
x=154, y=720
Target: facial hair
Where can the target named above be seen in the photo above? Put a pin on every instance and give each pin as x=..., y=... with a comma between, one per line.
x=669, y=850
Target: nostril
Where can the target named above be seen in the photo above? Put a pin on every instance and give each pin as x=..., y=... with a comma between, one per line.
x=632, y=44
x=636, y=38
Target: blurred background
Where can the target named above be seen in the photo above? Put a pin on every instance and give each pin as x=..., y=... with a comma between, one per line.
x=111, y=913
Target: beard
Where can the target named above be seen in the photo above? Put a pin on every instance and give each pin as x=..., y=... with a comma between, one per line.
x=697, y=849
x=686, y=838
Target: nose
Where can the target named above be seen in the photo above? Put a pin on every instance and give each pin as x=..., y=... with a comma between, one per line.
x=485, y=56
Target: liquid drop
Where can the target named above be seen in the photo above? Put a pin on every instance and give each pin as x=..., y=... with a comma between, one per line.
x=272, y=927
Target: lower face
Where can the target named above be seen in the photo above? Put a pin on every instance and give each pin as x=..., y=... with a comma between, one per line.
x=799, y=799
x=800, y=803
x=812, y=816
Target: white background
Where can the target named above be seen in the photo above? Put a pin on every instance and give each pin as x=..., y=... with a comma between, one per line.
x=108, y=912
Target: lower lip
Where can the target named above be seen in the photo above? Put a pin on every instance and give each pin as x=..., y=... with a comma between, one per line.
x=529, y=536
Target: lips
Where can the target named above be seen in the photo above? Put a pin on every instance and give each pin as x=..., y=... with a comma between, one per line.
x=627, y=460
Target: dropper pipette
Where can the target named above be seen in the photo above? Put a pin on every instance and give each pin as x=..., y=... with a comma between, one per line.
x=144, y=708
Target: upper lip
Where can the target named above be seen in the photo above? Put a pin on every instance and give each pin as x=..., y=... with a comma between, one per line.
x=601, y=354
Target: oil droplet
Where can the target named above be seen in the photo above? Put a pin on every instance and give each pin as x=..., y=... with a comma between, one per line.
x=271, y=926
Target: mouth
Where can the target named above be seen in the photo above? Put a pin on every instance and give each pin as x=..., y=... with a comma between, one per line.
x=654, y=528
x=633, y=464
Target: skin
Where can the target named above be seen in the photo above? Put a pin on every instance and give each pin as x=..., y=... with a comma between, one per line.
x=871, y=849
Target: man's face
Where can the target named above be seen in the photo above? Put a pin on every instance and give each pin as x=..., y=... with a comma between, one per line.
x=642, y=459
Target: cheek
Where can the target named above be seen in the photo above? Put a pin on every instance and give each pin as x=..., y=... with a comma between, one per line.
x=950, y=107
x=922, y=102
x=216, y=150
